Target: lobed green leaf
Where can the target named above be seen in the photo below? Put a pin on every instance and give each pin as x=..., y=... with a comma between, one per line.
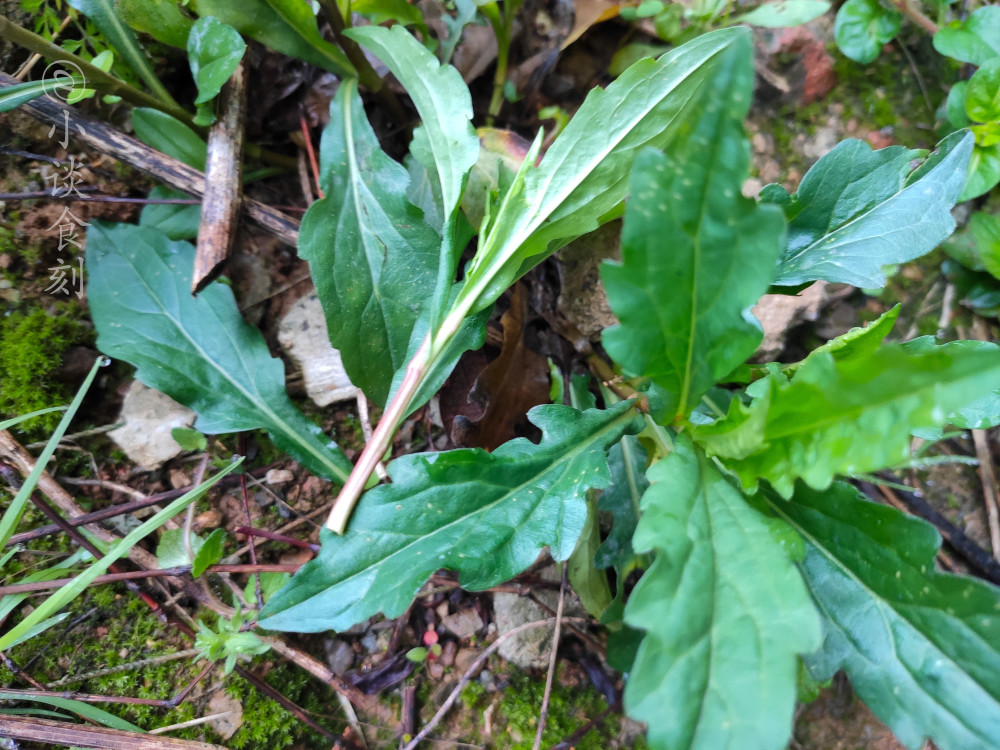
x=485, y=515
x=858, y=210
x=863, y=26
x=696, y=254
x=847, y=416
x=724, y=610
x=922, y=648
x=198, y=350
x=975, y=39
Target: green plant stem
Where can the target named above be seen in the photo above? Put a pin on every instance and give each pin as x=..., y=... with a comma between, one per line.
x=366, y=73
x=95, y=77
x=502, y=26
x=660, y=435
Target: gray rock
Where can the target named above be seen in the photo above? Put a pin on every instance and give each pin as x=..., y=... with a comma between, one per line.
x=149, y=416
x=339, y=655
x=463, y=623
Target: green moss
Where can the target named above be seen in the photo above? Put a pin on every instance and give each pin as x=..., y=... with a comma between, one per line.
x=31, y=348
x=569, y=709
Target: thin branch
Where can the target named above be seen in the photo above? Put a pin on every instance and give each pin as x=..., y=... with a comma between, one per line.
x=914, y=14
x=988, y=478
x=473, y=668
x=543, y=714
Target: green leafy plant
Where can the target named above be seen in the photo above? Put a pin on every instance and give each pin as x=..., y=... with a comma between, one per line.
x=724, y=479
x=229, y=642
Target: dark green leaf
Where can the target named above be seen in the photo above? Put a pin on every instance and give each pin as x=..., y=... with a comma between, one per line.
x=162, y=19
x=209, y=553
x=847, y=416
x=784, y=13
x=214, y=52
x=922, y=648
x=177, y=221
x=955, y=105
x=373, y=258
x=863, y=26
x=725, y=613
x=485, y=515
x=627, y=462
x=106, y=18
x=974, y=40
x=169, y=135
x=287, y=26
x=982, y=95
x=198, y=350
x=858, y=210
x=696, y=254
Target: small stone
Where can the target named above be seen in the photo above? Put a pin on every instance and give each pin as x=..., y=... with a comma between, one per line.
x=463, y=623
x=436, y=670
x=464, y=659
x=178, y=479
x=5, y=261
x=210, y=519
x=296, y=556
x=228, y=714
x=303, y=334
x=278, y=476
x=488, y=681
x=149, y=416
x=312, y=488
x=448, y=652
x=369, y=642
x=123, y=653
x=339, y=655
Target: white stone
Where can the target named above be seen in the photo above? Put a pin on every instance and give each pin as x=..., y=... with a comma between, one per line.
x=303, y=334
x=149, y=416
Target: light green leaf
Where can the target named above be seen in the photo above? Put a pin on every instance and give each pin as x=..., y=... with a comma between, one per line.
x=922, y=648
x=188, y=439
x=588, y=582
x=984, y=171
x=74, y=588
x=214, y=52
x=380, y=11
x=169, y=135
x=270, y=584
x=583, y=177
x=725, y=613
x=198, y=350
x=210, y=552
x=371, y=255
x=858, y=210
x=696, y=254
x=784, y=13
x=177, y=221
x=982, y=95
x=84, y=710
x=117, y=32
x=863, y=26
x=857, y=342
x=973, y=40
x=12, y=97
x=172, y=552
x=287, y=26
x=980, y=414
x=161, y=19
x=850, y=416
x=485, y=515
x=985, y=230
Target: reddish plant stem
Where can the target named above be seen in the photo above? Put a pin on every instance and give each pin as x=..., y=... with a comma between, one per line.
x=245, y=499
x=275, y=537
x=914, y=14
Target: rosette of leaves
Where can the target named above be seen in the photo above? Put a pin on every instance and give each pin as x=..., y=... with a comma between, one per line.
x=758, y=555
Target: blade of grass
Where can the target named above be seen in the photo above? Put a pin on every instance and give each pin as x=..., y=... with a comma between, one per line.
x=8, y=423
x=71, y=590
x=16, y=508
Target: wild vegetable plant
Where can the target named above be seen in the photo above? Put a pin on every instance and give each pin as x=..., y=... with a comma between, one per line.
x=724, y=479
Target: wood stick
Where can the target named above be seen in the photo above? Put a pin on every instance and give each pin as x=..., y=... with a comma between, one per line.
x=171, y=172
x=65, y=734
x=220, y=211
